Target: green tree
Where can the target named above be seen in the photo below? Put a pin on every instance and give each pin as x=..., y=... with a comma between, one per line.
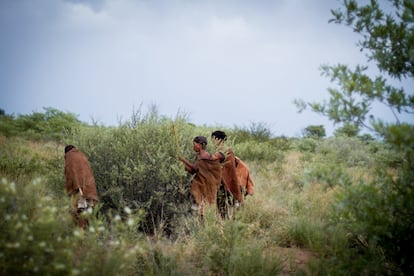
x=7, y=124
x=257, y=131
x=347, y=130
x=50, y=124
x=314, y=131
x=388, y=40
x=385, y=221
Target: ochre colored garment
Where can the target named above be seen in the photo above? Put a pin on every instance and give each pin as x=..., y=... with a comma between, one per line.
x=206, y=181
x=243, y=174
x=229, y=176
x=79, y=174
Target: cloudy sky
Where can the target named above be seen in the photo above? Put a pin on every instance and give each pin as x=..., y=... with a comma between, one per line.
x=221, y=62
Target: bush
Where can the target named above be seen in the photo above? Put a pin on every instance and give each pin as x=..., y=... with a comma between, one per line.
x=53, y=124
x=255, y=151
x=380, y=214
x=39, y=238
x=136, y=165
x=306, y=144
x=258, y=132
x=350, y=151
x=328, y=174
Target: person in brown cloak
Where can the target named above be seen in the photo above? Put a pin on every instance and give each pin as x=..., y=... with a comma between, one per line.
x=207, y=175
x=245, y=179
x=230, y=193
x=80, y=184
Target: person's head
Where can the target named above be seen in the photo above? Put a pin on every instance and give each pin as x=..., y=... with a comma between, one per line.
x=201, y=141
x=219, y=136
x=68, y=148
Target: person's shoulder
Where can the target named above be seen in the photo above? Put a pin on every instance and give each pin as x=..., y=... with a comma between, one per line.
x=76, y=154
x=203, y=156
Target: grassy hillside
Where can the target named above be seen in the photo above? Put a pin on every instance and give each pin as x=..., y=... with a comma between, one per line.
x=301, y=219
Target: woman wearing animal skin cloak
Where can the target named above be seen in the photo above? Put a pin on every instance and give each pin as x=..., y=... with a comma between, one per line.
x=207, y=175
x=230, y=193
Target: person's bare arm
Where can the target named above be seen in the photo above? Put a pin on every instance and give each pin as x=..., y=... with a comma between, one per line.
x=189, y=167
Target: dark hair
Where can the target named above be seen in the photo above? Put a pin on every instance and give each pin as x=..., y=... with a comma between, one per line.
x=221, y=135
x=200, y=140
x=69, y=147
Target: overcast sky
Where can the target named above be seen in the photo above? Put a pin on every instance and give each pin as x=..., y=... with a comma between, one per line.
x=221, y=62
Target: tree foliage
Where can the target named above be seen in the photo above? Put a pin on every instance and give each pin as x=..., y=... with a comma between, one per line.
x=388, y=37
x=378, y=212
x=348, y=130
x=257, y=131
x=314, y=131
x=51, y=124
x=388, y=41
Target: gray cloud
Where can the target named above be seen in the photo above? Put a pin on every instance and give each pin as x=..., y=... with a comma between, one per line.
x=222, y=62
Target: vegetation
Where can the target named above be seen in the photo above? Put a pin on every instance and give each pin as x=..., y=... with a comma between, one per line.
x=144, y=224
x=377, y=212
x=314, y=131
x=341, y=205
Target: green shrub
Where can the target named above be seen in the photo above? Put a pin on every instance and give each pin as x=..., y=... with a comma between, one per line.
x=329, y=174
x=380, y=212
x=350, y=151
x=281, y=143
x=257, y=131
x=306, y=144
x=34, y=235
x=314, y=131
x=136, y=165
x=258, y=151
x=53, y=124
x=7, y=125
x=39, y=238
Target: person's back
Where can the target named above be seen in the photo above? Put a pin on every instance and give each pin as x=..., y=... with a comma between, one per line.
x=79, y=182
x=245, y=179
x=229, y=176
x=79, y=174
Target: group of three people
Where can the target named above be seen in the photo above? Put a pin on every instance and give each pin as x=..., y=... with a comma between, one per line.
x=220, y=178
x=214, y=174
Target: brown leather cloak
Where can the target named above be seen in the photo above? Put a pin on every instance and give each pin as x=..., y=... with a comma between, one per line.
x=206, y=181
x=79, y=174
x=229, y=176
x=243, y=174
